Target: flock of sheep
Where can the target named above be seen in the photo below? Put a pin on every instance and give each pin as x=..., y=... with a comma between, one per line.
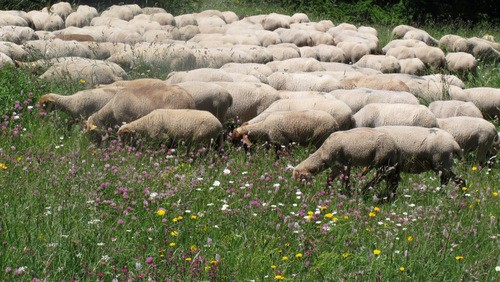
x=276, y=78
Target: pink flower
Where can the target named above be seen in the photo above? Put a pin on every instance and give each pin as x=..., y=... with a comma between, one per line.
x=149, y=260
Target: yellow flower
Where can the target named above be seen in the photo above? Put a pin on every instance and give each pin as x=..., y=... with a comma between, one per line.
x=334, y=219
x=401, y=269
x=345, y=217
x=495, y=194
x=377, y=209
x=194, y=216
x=371, y=214
x=174, y=233
x=279, y=277
x=322, y=208
x=172, y=244
x=285, y=258
x=177, y=219
x=19, y=159
x=329, y=215
x=345, y=255
x=299, y=255
x=187, y=259
x=3, y=166
x=161, y=212
x=214, y=262
x=410, y=238
x=193, y=248
x=377, y=252
x=464, y=188
x=82, y=81
x=474, y=168
x=273, y=266
x=368, y=229
x=459, y=257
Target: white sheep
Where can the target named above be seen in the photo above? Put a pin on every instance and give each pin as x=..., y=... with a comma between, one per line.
x=329, y=53
x=422, y=149
x=400, y=30
x=303, y=82
x=296, y=65
x=295, y=36
x=249, y=99
x=63, y=9
x=17, y=34
x=359, y=97
x=454, y=108
x=136, y=100
x=487, y=99
x=354, y=50
x=382, y=63
x=92, y=72
x=208, y=75
x=13, y=18
x=14, y=51
x=382, y=114
x=284, y=51
x=274, y=21
x=81, y=17
x=401, y=43
x=5, y=60
x=175, y=126
x=421, y=35
x=461, y=62
x=56, y=48
x=412, y=66
x=286, y=94
x=282, y=128
x=366, y=147
x=379, y=82
x=336, y=108
x=472, y=134
x=209, y=97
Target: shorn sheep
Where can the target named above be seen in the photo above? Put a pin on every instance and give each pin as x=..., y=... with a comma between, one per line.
x=367, y=147
x=282, y=128
x=423, y=149
x=137, y=101
x=173, y=126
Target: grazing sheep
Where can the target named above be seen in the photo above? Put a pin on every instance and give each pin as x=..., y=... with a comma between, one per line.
x=56, y=48
x=447, y=79
x=17, y=34
x=14, y=51
x=399, y=43
x=454, y=108
x=422, y=149
x=209, y=97
x=303, y=82
x=472, y=134
x=446, y=42
x=295, y=36
x=461, y=62
x=296, y=65
x=93, y=72
x=412, y=66
x=257, y=70
x=284, y=51
x=249, y=99
x=431, y=56
x=208, y=75
x=282, y=128
x=487, y=99
x=400, y=30
x=336, y=108
x=285, y=94
x=367, y=147
x=421, y=35
x=380, y=82
x=5, y=60
x=354, y=50
x=62, y=9
x=137, y=100
x=329, y=53
x=274, y=21
x=359, y=97
x=381, y=114
x=173, y=126
x=382, y=63
x=80, y=105
x=81, y=17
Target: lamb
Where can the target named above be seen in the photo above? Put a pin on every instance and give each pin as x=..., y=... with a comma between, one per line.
x=282, y=128
x=209, y=97
x=336, y=108
x=422, y=149
x=249, y=99
x=381, y=114
x=137, y=100
x=367, y=147
x=487, y=99
x=360, y=97
x=93, y=72
x=454, y=108
x=81, y=104
x=382, y=63
x=173, y=126
x=472, y=134
x=461, y=62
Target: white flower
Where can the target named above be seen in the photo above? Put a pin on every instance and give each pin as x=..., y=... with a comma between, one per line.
x=276, y=185
x=153, y=195
x=225, y=207
x=216, y=183
x=497, y=268
x=226, y=171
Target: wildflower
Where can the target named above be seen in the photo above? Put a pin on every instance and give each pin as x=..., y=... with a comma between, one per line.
x=3, y=166
x=216, y=183
x=474, y=168
x=273, y=266
x=376, y=209
x=187, y=259
x=371, y=214
x=194, y=216
x=149, y=260
x=464, y=188
x=299, y=255
x=497, y=268
x=459, y=257
x=214, y=262
x=174, y=233
x=177, y=219
x=329, y=215
x=345, y=217
x=410, y=238
x=226, y=171
x=376, y=252
x=345, y=255
x=401, y=269
x=172, y=244
x=284, y=258
x=161, y=212
x=193, y=248
x=82, y=81
x=495, y=194
x=279, y=277
x=322, y=208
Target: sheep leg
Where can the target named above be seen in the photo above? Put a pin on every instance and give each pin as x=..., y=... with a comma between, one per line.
x=346, y=178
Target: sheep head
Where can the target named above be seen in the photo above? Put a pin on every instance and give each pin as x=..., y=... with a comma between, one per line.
x=240, y=134
x=301, y=174
x=47, y=101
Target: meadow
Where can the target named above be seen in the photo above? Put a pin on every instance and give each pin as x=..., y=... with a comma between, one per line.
x=72, y=210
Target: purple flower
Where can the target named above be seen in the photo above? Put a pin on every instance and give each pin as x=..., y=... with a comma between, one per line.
x=149, y=260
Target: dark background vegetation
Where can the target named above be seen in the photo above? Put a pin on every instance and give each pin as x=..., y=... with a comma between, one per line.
x=363, y=11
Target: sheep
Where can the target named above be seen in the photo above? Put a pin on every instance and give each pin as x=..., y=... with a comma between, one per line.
x=432, y=56
x=42, y=20
x=296, y=65
x=354, y=50
x=12, y=18
x=303, y=82
x=81, y=17
x=56, y=48
x=472, y=134
x=282, y=128
x=5, y=60
x=285, y=94
x=400, y=30
x=274, y=21
x=447, y=79
x=295, y=36
x=17, y=34
x=427, y=90
x=267, y=38
x=446, y=42
x=257, y=70
x=63, y=9
x=184, y=20
x=412, y=66
x=300, y=18
x=14, y=51
x=336, y=108
x=329, y=53
x=123, y=12
x=163, y=18
x=454, y=108
x=209, y=97
x=461, y=62
x=402, y=43
x=367, y=147
x=487, y=99
x=422, y=149
x=208, y=75
x=230, y=17
x=80, y=105
x=380, y=82
x=421, y=35
x=381, y=114
x=91, y=71
x=249, y=99
x=283, y=51
x=382, y=63
x=137, y=100
x=173, y=126
x=360, y=97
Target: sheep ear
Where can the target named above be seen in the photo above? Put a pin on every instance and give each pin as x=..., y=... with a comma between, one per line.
x=47, y=98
